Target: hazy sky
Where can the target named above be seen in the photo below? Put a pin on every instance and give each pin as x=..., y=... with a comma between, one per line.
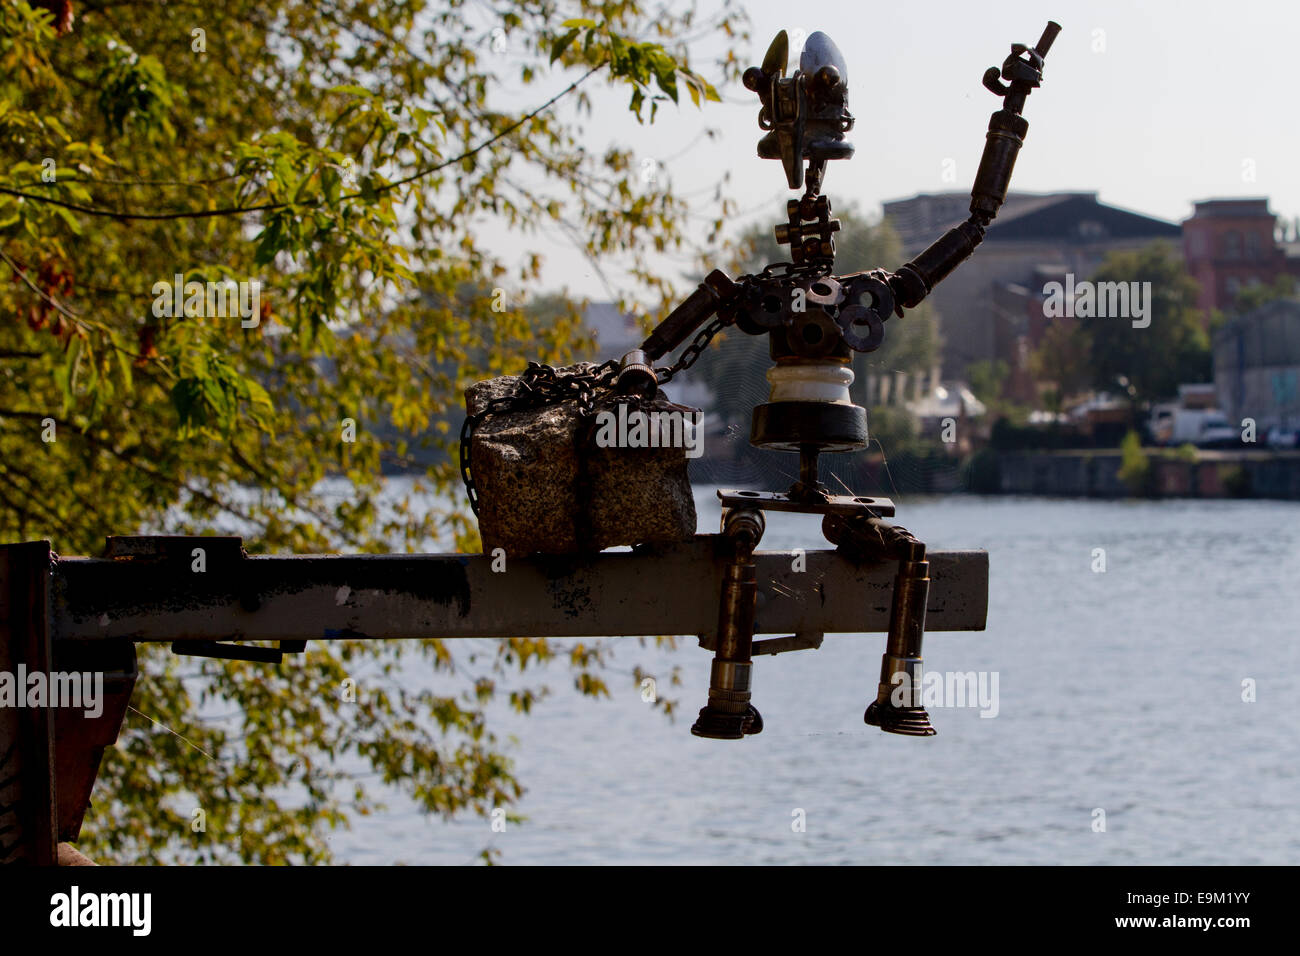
x=1152, y=105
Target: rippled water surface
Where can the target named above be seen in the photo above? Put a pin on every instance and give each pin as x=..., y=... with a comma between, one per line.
x=1119, y=690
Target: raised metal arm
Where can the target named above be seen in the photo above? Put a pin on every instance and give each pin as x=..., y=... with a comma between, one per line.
x=700, y=306
x=1023, y=70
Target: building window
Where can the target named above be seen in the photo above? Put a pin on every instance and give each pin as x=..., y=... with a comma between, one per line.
x=1252, y=245
x=1232, y=244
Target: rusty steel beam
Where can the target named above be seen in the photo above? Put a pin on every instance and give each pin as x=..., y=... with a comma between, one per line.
x=28, y=778
x=153, y=593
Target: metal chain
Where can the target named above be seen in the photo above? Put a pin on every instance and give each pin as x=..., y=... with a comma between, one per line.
x=691, y=354
x=780, y=273
x=789, y=271
x=537, y=387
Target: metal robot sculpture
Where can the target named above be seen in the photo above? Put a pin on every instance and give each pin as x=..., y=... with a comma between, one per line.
x=814, y=322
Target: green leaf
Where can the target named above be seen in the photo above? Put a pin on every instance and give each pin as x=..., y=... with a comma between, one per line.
x=562, y=43
x=69, y=219
x=665, y=76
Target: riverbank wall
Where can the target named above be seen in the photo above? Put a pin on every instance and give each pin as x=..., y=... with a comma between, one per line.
x=1100, y=473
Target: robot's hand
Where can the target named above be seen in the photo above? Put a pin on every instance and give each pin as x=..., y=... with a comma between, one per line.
x=1023, y=70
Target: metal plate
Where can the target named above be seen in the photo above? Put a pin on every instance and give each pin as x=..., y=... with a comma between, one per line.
x=834, y=505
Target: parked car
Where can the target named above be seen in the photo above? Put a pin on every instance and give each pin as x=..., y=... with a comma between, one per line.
x=1217, y=432
x=1279, y=437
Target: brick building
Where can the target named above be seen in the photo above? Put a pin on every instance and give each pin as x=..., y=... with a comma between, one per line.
x=1229, y=244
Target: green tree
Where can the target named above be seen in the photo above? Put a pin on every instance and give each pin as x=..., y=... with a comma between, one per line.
x=1135, y=466
x=1060, y=362
x=988, y=379
x=1251, y=297
x=1174, y=348
x=345, y=155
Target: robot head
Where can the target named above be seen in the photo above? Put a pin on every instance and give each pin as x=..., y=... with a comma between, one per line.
x=806, y=114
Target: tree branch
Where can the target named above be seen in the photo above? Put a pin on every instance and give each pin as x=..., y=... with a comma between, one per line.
x=267, y=207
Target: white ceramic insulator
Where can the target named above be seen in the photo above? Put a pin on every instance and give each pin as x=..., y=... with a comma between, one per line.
x=821, y=382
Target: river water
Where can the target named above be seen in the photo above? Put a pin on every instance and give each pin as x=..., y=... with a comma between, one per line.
x=1119, y=691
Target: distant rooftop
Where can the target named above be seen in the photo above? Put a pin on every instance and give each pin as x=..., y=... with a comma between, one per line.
x=1231, y=208
x=616, y=332
x=948, y=401
x=921, y=215
x=1077, y=216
